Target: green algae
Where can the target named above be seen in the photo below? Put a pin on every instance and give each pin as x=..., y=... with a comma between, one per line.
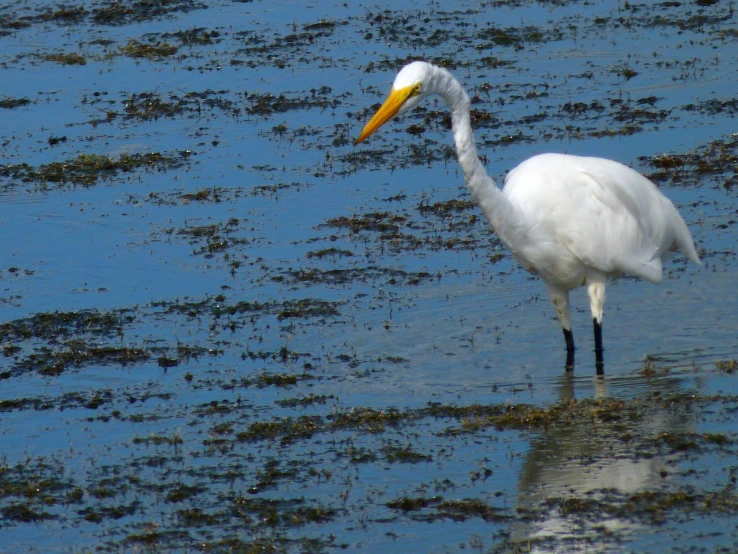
x=53, y=325
x=66, y=59
x=89, y=169
x=136, y=49
x=394, y=453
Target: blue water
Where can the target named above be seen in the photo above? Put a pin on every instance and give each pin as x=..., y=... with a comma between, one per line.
x=477, y=331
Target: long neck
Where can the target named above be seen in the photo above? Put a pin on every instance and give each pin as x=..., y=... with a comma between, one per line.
x=493, y=203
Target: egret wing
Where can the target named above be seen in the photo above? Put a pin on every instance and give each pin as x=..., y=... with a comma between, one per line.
x=622, y=223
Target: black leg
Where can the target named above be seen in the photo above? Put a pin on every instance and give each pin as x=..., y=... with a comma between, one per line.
x=599, y=358
x=569, y=337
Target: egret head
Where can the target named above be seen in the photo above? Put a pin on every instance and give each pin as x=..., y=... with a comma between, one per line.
x=412, y=84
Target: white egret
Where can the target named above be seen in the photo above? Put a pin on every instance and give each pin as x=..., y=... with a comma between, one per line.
x=572, y=220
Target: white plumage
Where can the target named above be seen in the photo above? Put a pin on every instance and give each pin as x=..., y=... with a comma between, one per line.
x=572, y=220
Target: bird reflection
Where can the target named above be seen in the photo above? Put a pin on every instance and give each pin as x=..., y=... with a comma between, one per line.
x=590, y=458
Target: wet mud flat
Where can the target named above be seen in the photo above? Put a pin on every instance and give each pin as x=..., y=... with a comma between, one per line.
x=225, y=329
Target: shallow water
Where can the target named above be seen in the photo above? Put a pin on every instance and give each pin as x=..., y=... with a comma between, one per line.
x=227, y=329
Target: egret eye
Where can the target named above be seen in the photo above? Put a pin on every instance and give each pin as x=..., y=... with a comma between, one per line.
x=416, y=90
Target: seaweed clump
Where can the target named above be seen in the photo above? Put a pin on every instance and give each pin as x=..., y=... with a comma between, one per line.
x=88, y=169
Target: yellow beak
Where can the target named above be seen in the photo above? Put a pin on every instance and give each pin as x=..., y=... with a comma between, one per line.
x=389, y=109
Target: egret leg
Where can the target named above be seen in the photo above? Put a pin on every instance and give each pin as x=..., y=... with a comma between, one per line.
x=560, y=300
x=596, y=292
x=569, y=337
x=599, y=357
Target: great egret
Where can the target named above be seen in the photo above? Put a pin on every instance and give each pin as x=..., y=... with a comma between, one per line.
x=572, y=220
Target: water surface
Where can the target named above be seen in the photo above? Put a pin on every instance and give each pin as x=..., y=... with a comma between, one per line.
x=227, y=329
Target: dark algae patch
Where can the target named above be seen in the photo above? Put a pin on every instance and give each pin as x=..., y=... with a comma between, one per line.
x=87, y=169
x=10, y=103
x=51, y=326
x=136, y=49
x=66, y=59
x=436, y=508
x=716, y=162
x=114, y=13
